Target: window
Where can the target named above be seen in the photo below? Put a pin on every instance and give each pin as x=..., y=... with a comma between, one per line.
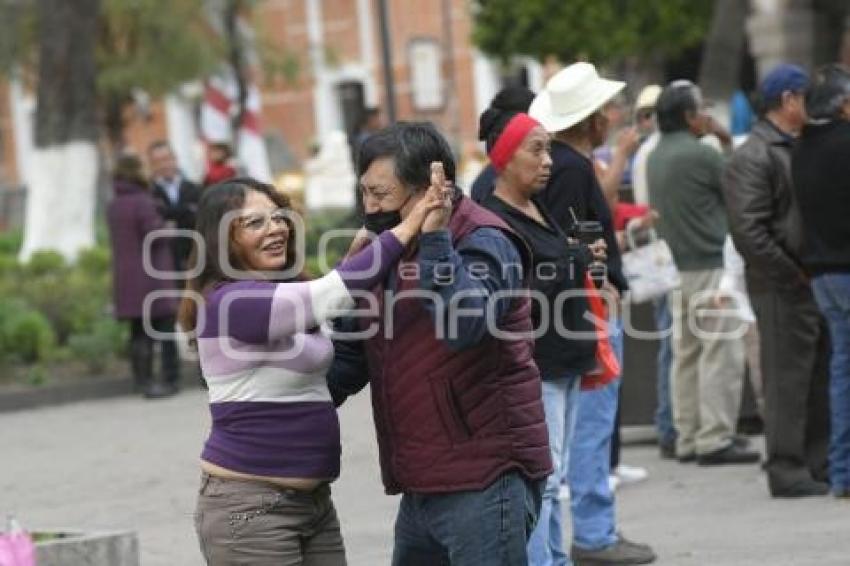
x=426, y=80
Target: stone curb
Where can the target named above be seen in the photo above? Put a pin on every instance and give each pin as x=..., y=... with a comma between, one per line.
x=120, y=548
x=61, y=393
x=80, y=390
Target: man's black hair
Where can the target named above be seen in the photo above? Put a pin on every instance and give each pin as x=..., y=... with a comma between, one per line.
x=829, y=89
x=676, y=100
x=413, y=146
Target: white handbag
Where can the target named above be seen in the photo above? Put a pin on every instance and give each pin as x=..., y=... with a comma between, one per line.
x=649, y=268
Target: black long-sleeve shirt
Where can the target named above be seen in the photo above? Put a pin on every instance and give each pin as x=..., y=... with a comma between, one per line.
x=820, y=167
x=573, y=184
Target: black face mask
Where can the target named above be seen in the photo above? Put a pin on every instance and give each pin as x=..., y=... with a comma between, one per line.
x=382, y=221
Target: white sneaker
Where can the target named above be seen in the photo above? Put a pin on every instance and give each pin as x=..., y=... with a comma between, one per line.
x=613, y=482
x=630, y=474
x=564, y=492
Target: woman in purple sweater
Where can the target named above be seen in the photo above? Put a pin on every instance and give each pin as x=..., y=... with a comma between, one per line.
x=274, y=444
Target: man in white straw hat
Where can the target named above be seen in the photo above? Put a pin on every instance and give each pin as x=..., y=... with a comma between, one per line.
x=645, y=122
x=571, y=108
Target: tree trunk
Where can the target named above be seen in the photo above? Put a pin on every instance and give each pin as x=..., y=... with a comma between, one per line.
x=723, y=51
x=114, y=122
x=60, y=199
x=236, y=58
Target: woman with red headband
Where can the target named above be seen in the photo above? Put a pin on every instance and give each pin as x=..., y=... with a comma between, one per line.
x=565, y=347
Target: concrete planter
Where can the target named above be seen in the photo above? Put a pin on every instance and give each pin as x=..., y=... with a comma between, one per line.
x=66, y=547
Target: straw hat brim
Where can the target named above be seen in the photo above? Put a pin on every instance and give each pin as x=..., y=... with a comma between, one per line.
x=542, y=111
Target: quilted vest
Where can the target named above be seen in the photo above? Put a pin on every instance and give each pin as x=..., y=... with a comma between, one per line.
x=454, y=420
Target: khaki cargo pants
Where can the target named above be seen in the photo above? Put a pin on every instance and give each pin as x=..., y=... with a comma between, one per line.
x=258, y=524
x=707, y=374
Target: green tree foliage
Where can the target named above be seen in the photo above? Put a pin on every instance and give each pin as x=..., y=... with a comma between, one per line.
x=602, y=31
x=150, y=45
x=154, y=45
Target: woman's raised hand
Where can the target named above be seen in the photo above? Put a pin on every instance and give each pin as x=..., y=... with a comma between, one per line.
x=434, y=199
x=438, y=218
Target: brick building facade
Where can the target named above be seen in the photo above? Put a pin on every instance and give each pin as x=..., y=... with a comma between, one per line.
x=437, y=74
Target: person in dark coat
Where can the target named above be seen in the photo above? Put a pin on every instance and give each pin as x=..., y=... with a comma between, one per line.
x=765, y=225
x=131, y=216
x=820, y=169
x=176, y=198
x=458, y=411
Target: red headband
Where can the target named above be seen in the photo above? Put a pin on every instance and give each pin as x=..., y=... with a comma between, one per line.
x=512, y=136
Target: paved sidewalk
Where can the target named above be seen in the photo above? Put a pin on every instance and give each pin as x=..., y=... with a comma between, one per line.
x=130, y=463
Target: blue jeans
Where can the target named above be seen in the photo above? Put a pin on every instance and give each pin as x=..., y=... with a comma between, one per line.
x=468, y=528
x=832, y=293
x=664, y=408
x=591, y=499
x=560, y=399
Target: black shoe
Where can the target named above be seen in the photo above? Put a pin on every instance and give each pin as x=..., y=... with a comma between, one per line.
x=732, y=454
x=667, y=450
x=686, y=458
x=802, y=488
x=842, y=493
x=161, y=390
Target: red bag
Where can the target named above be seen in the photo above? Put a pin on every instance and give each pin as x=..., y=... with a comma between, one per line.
x=607, y=365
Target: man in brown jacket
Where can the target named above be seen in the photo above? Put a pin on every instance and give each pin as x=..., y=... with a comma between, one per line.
x=766, y=230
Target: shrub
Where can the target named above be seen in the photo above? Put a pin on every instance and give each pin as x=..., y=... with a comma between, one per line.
x=94, y=261
x=106, y=339
x=67, y=300
x=11, y=242
x=25, y=333
x=45, y=263
x=72, y=298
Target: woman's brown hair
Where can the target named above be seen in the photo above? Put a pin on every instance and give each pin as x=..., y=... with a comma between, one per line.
x=216, y=201
x=128, y=168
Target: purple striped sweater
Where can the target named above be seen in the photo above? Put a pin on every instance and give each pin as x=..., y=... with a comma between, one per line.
x=264, y=360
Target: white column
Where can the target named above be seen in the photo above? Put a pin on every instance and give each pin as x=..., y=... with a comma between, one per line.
x=486, y=81
x=366, y=35
x=326, y=112
x=23, y=120
x=781, y=31
x=183, y=136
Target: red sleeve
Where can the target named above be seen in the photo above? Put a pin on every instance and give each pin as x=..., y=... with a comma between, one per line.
x=625, y=211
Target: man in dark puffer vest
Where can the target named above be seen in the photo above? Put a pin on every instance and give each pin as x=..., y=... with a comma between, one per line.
x=457, y=401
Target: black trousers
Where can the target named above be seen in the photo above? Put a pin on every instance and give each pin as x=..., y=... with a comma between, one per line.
x=141, y=351
x=795, y=367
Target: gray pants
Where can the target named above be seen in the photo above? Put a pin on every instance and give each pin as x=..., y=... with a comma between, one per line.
x=707, y=375
x=254, y=523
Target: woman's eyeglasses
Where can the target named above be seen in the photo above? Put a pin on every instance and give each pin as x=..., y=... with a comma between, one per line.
x=257, y=222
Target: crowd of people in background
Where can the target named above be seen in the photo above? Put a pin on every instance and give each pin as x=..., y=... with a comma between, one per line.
x=145, y=201
x=490, y=437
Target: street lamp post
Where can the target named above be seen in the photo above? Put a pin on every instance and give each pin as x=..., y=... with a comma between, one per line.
x=387, y=56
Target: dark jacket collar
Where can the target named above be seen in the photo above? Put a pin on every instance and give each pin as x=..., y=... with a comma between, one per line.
x=123, y=187
x=771, y=134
